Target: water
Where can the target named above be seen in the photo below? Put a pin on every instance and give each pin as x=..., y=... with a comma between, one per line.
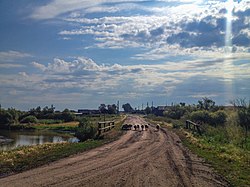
x=25, y=138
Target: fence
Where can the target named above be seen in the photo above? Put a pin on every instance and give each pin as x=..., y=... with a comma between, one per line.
x=105, y=126
x=193, y=126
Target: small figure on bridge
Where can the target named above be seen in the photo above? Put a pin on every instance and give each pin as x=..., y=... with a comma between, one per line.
x=158, y=127
x=135, y=126
x=142, y=127
x=130, y=127
x=138, y=127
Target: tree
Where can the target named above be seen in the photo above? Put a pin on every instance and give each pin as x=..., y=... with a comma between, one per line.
x=103, y=108
x=127, y=108
x=206, y=104
x=67, y=116
x=85, y=130
x=148, y=110
x=112, y=109
x=5, y=117
x=175, y=112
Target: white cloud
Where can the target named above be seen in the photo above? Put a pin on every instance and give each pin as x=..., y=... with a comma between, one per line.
x=188, y=24
x=11, y=56
x=39, y=66
x=58, y=7
x=83, y=78
x=3, y=65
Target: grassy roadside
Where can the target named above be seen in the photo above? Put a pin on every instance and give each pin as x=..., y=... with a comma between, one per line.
x=28, y=157
x=227, y=159
x=69, y=126
x=231, y=162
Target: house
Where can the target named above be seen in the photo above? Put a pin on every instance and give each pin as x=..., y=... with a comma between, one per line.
x=87, y=112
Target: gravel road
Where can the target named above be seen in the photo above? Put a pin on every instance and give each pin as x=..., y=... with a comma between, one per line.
x=139, y=158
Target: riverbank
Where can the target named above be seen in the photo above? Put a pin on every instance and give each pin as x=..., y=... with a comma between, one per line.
x=28, y=157
x=4, y=140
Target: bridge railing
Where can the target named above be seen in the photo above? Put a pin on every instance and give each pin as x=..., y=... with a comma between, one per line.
x=104, y=126
x=193, y=126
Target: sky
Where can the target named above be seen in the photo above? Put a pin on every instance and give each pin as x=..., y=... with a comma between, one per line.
x=81, y=53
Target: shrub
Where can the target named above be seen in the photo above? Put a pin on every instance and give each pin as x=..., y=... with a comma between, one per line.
x=201, y=115
x=85, y=130
x=175, y=112
x=29, y=119
x=211, y=118
x=218, y=118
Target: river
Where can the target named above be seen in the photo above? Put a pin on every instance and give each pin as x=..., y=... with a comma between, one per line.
x=14, y=139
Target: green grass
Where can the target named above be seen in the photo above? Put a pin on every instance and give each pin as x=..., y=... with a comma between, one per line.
x=69, y=126
x=228, y=159
x=28, y=157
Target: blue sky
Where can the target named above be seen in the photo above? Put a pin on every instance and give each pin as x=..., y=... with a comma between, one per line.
x=81, y=53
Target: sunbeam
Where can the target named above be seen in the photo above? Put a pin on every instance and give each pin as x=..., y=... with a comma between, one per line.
x=228, y=38
x=228, y=62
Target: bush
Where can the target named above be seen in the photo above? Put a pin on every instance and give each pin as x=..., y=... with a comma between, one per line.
x=218, y=118
x=201, y=115
x=211, y=118
x=29, y=119
x=175, y=112
x=85, y=130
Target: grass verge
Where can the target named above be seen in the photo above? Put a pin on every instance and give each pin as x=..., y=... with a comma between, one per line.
x=228, y=160
x=69, y=126
x=28, y=157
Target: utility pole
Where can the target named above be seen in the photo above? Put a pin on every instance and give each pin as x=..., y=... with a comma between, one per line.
x=118, y=104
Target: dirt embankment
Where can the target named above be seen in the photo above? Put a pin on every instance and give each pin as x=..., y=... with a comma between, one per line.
x=139, y=158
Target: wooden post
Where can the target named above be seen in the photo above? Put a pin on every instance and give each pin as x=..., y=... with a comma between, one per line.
x=99, y=128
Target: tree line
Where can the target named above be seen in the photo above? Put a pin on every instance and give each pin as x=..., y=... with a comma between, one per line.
x=12, y=116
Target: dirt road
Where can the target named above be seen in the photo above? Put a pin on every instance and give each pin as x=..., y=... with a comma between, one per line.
x=139, y=158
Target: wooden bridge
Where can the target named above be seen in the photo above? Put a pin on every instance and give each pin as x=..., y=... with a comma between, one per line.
x=105, y=126
x=193, y=126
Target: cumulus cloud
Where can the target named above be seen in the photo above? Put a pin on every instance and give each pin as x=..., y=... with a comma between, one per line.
x=85, y=73
x=190, y=27
x=81, y=77
x=82, y=65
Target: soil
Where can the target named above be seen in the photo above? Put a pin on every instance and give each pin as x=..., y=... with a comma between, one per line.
x=139, y=158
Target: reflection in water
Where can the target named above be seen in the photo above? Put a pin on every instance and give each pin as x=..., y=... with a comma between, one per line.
x=25, y=138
